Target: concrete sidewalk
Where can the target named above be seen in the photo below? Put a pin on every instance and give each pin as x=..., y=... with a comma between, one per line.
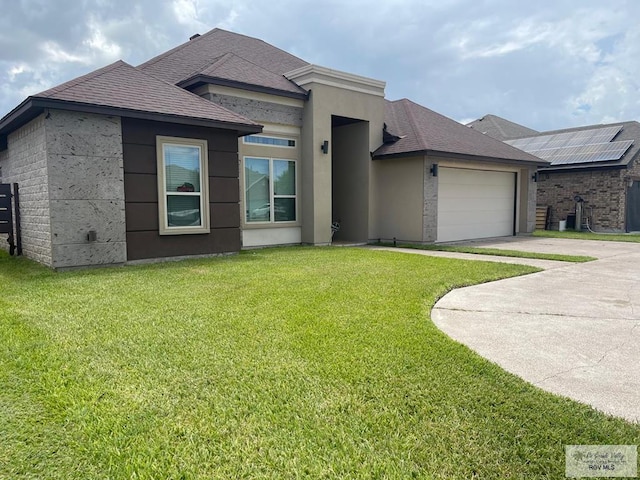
x=573, y=329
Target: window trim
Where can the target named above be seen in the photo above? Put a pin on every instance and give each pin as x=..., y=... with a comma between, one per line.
x=272, y=221
x=164, y=228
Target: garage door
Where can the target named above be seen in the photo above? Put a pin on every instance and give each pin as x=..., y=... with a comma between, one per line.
x=475, y=204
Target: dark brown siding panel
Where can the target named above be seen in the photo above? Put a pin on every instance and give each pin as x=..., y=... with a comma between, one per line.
x=224, y=190
x=144, y=132
x=223, y=164
x=141, y=192
x=225, y=215
x=142, y=216
x=139, y=158
x=140, y=188
x=141, y=245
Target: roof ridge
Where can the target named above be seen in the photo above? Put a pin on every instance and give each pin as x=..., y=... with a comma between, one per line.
x=81, y=79
x=221, y=59
x=232, y=54
x=173, y=50
x=500, y=129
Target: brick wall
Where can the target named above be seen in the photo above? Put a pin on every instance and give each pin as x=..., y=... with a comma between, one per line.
x=25, y=162
x=604, y=193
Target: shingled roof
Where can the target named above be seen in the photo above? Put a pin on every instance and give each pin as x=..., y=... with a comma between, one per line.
x=206, y=57
x=501, y=128
x=418, y=130
x=121, y=89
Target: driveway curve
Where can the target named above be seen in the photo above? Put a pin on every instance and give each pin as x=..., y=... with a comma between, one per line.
x=573, y=329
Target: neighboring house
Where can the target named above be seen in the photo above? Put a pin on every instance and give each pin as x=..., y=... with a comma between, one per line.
x=226, y=142
x=500, y=128
x=600, y=164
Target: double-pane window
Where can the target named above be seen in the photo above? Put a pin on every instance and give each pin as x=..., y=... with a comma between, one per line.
x=270, y=190
x=182, y=186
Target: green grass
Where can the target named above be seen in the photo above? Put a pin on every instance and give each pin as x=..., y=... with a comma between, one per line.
x=498, y=252
x=283, y=363
x=609, y=237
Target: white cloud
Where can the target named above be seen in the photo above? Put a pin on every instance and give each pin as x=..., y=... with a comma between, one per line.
x=56, y=54
x=547, y=64
x=186, y=13
x=99, y=45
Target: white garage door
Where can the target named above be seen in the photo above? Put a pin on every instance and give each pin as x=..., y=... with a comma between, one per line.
x=475, y=204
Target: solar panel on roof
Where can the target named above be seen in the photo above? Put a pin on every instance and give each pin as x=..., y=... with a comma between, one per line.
x=581, y=146
x=599, y=152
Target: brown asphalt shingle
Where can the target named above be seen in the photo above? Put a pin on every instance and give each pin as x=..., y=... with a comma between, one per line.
x=423, y=130
x=122, y=86
x=232, y=67
x=198, y=55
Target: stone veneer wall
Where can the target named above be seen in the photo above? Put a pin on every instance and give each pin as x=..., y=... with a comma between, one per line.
x=25, y=162
x=86, y=188
x=259, y=111
x=532, y=196
x=430, y=204
x=604, y=193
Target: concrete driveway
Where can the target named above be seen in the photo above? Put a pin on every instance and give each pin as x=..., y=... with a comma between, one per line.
x=573, y=329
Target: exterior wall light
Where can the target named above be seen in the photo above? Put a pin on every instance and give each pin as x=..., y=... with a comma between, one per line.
x=324, y=146
x=434, y=170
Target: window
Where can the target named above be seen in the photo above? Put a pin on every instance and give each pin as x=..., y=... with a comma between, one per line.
x=271, y=141
x=270, y=190
x=183, y=180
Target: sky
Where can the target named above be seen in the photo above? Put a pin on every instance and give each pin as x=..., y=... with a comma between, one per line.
x=545, y=64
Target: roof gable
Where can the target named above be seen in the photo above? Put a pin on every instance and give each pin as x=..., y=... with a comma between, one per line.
x=232, y=68
x=198, y=55
x=121, y=89
x=420, y=130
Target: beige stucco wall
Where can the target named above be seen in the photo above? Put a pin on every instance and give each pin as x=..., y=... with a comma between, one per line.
x=324, y=102
x=397, y=202
x=405, y=196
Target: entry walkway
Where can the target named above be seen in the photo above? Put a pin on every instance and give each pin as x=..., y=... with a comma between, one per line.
x=573, y=329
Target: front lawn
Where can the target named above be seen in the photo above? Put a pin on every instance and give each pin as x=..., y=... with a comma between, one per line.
x=496, y=252
x=608, y=237
x=282, y=363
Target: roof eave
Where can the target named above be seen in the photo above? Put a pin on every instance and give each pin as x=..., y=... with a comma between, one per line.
x=33, y=106
x=199, y=80
x=461, y=156
x=16, y=117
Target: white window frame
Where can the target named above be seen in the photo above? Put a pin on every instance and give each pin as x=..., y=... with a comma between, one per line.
x=164, y=228
x=272, y=196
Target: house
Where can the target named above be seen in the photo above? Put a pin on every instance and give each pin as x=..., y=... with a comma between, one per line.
x=597, y=166
x=226, y=142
